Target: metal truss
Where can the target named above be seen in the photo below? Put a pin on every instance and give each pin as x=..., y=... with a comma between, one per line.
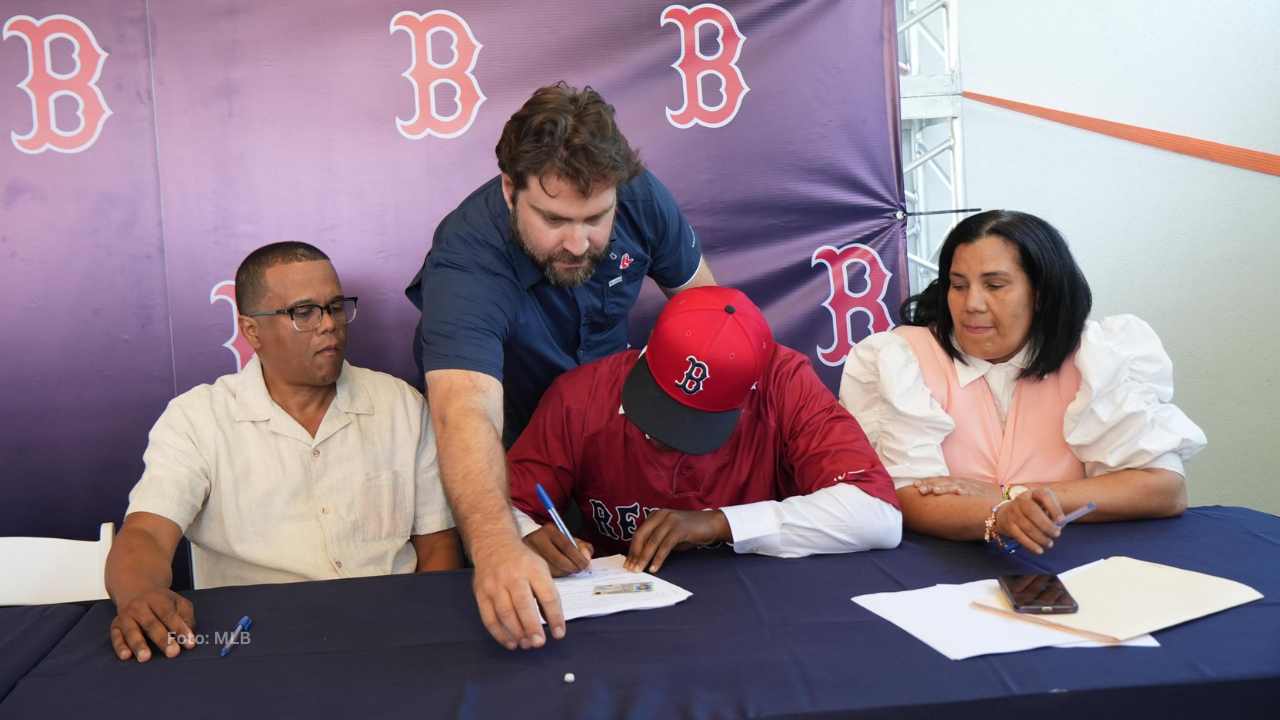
x=933, y=156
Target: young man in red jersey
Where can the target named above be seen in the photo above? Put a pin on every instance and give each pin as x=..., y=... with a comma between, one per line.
x=712, y=433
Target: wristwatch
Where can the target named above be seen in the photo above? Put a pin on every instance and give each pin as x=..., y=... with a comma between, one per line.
x=1013, y=491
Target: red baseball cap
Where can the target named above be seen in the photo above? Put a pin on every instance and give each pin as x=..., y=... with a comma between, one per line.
x=708, y=349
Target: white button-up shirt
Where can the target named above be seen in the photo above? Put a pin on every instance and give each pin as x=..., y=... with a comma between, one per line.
x=262, y=501
x=1002, y=378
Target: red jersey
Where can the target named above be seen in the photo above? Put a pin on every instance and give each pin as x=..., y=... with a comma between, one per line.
x=792, y=438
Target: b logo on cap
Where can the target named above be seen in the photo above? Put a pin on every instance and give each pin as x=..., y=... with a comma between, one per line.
x=694, y=376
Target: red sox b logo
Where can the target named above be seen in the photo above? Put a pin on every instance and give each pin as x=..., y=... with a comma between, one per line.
x=694, y=376
x=44, y=85
x=693, y=66
x=843, y=303
x=427, y=75
x=226, y=292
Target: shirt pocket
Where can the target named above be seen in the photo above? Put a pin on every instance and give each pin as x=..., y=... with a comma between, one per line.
x=617, y=299
x=382, y=507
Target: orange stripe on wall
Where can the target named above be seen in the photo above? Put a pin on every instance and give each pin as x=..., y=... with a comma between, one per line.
x=1255, y=160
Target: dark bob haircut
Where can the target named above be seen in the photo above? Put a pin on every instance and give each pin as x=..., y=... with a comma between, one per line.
x=1062, y=296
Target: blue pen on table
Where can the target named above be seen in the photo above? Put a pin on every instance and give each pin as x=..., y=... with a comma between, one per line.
x=240, y=627
x=555, y=516
x=1011, y=546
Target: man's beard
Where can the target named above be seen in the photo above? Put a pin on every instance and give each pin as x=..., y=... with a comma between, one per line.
x=560, y=278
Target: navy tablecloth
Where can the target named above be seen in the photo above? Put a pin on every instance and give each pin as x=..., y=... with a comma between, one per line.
x=761, y=637
x=27, y=634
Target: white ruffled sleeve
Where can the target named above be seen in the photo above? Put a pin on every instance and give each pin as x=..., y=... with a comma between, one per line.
x=1123, y=417
x=883, y=388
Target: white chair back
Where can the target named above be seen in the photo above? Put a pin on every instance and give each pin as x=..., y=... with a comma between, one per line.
x=40, y=571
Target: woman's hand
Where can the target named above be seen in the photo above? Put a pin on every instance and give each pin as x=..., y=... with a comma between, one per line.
x=1031, y=519
x=955, y=485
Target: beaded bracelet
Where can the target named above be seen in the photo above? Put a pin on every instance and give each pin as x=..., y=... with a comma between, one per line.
x=990, y=534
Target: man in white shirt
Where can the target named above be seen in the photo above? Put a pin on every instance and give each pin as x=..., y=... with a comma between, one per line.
x=299, y=467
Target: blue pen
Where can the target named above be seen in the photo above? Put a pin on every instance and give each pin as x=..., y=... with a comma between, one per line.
x=240, y=627
x=1076, y=514
x=1011, y=546
x=555, y=516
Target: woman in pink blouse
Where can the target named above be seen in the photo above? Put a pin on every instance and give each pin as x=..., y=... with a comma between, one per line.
x=999, y=406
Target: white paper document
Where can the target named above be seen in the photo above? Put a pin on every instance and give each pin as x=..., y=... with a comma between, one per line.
x=610, y=589
x=1121, y=598
x=943, y=618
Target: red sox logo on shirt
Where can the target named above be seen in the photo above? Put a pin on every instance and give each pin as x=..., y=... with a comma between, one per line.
x=621, y=523
x=843, y=303
x=625, y=262
x=694, y=66
x=44, y=85
x=426, y=75
x=239, y=347
x=694, y=376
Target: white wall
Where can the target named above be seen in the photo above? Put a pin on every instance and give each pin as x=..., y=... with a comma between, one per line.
x=1191, y=246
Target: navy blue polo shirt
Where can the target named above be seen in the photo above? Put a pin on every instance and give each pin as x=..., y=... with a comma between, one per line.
x=487, y=307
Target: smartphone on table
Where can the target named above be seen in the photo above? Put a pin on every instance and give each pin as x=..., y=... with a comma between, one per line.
x=1038, y=594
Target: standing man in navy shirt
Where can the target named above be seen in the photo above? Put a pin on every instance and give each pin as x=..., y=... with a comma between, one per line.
x=532, y=275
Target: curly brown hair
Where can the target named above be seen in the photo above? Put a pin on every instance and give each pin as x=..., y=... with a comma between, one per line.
x=571, y=133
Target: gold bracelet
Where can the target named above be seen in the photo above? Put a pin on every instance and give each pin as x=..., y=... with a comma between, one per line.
x=990, y=534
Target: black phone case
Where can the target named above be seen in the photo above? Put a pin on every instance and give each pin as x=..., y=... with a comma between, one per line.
x=1065, y=606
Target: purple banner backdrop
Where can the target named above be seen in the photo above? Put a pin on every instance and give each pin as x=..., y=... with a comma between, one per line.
x=86, y=364
x=356, y=127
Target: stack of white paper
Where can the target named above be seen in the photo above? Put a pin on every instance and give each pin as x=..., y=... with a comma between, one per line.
x=591, y=595
x=1121, y=598
x=943, y=618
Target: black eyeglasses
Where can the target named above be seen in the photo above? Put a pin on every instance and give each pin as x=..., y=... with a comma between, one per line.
x=306, y=317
